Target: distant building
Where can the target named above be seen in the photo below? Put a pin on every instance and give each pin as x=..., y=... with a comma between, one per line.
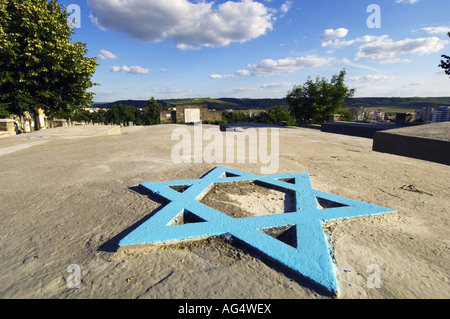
x=92, y=109
x=442, y=114
x=334, y=117
x=358, y=112
x=401, y=118
x=375, y=115
x=424, y=114
x=190, y=113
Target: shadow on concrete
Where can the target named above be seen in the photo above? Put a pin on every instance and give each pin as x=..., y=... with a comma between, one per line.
x=355, y=129
x=241, y=127
x=277, y=266
x=112, y=245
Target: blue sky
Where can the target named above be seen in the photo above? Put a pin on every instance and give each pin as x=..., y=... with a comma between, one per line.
x=261, y=49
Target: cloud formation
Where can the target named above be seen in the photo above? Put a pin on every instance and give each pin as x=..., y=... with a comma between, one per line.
x=106, y=55
x=374, y=78
x=331, y=34
x=437, y=30
x=276, y=85
x=190, y=25
x=386, y=48
x=285, y=7
x=269, y=67
x=338, y=43
x=220, y=76
x=406, y=1
x=132, y=69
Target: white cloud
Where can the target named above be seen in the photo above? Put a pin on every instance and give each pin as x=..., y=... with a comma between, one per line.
x=357, y=65
x=374, y=78
x=220, y=76
x=437, y=30
x=187, y=47
x=394, y=60
x=406, y=1
x=265, y=90
x=386, y=48
x=243, y=73
x=106, y=55
x=132, y=69
x=269, y=67
x=331, y=34
x=285, y=7
x=188, y=24
x=276, y=85
x=338, y=43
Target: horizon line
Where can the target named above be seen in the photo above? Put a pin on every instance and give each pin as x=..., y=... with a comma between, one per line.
x=273, y=98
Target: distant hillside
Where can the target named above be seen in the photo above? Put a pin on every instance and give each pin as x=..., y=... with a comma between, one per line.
x=393, y=103
x=390, y=104
x=136, y=103
x=218, y=104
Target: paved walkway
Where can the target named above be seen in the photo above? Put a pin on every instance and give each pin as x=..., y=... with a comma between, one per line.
x=20, y=142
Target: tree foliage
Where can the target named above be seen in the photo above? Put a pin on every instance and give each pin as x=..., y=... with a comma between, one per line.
x=445, y=64
x=120, y=114
x=123, y=114
x=39, y=65
x=236, y=117
x=276, y=115
x=150, y=114
x=316, y=100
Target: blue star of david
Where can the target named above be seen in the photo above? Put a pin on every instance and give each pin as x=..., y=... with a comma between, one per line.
x=312, y=255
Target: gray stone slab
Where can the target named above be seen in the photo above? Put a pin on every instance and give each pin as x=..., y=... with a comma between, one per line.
x=430, y=142
x=355, y=129
x=244, y=126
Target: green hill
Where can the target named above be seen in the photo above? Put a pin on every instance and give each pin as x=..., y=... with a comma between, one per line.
x=391, y=104
x=395, y=104
x=218, y=104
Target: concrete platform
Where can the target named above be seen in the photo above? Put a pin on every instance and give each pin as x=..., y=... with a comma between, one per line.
x=72, y=198
x=240, y=127
x=429, y=142
x=355, y=129
x=20, y=142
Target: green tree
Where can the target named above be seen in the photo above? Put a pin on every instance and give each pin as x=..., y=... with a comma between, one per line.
x=445, y=64
x=277, y=114
x=3, y=112
x=99, y=116
x=236, y=117
x=316, y=101
x=81, y=115
x=39, y=65
x=113, y=115
x=121, y=114
x=151, y=113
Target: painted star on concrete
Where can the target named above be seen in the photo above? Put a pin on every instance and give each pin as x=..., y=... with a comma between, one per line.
x=311, y=256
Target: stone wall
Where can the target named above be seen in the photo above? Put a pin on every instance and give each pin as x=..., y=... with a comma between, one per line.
x=212, y=116
x=7, y=127
x=180, y=111
x=167, y=117
x=60, y=123
x=178, y=116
